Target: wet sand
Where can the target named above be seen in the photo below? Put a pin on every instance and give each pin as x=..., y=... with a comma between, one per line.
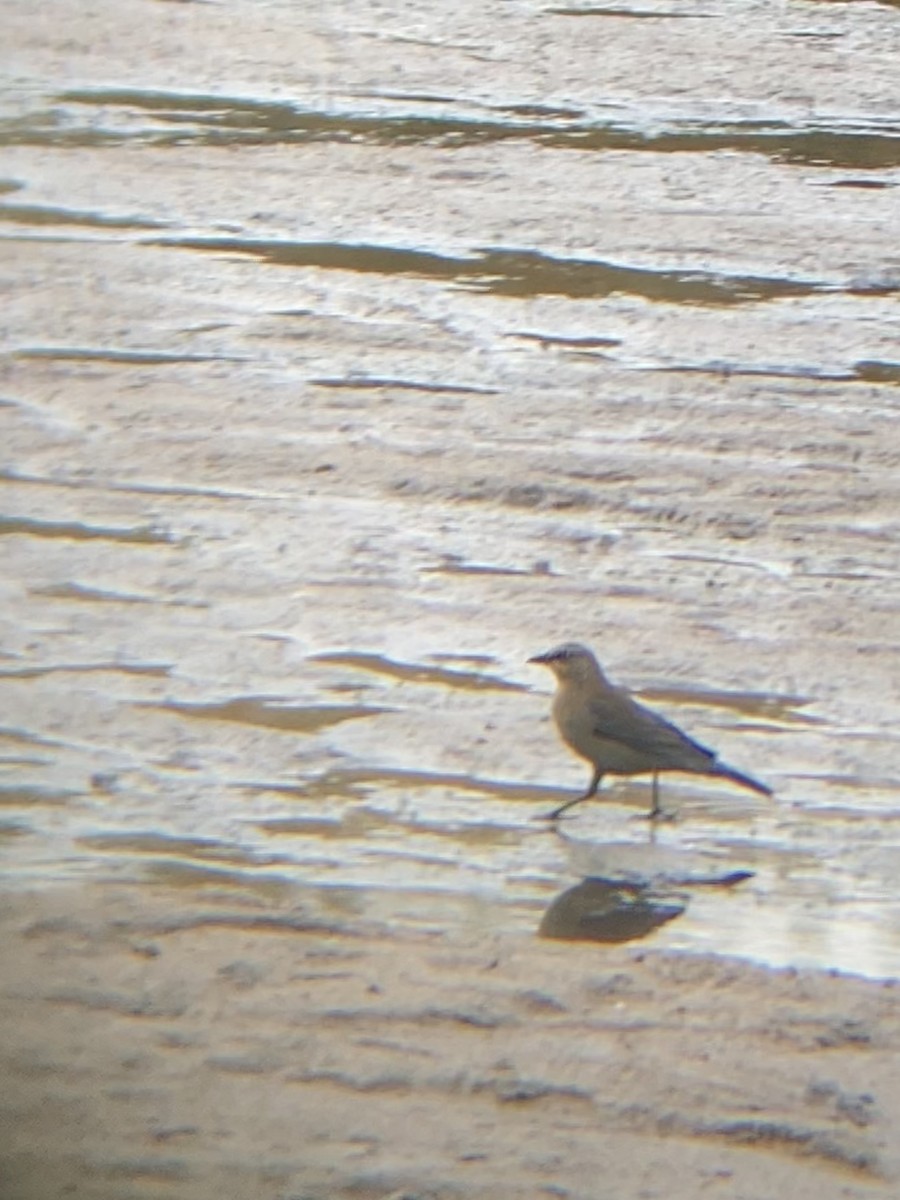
x=220, y=1049
x=349, y=359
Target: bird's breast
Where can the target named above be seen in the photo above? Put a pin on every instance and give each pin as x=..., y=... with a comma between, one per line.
x=577, y=726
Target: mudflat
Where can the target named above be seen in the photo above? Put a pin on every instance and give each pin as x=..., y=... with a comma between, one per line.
x=160, y=1048
x=352, y=356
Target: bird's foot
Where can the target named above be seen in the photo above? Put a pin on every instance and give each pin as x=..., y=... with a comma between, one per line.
x=656, y=814
x=556, y=815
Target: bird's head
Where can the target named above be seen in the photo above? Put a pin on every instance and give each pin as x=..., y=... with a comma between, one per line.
x=570, y=663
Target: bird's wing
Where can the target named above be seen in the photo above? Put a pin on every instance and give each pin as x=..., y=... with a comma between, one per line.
x=619, y=718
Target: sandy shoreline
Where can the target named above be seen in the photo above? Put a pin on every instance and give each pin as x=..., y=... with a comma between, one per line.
x=157, y=1047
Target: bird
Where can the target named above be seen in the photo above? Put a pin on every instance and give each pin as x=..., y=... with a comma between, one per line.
x=618, y=736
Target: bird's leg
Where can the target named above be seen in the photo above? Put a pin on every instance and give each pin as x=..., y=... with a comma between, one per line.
x=592, y=791
x=655, y=811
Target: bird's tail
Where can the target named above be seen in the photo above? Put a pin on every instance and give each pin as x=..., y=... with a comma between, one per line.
x=744, y=780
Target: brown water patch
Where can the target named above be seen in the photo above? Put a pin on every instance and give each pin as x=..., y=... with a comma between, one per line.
x=418, y=673
x=865, y=371
x=127, y=358
x=359, y=821
x=873, y=371
x=510, y=272
x=596, y=911
x=10, y=831
x=375, y=383
x=92, y=595
x=28, y=796
x=350, y=783
x=170, y=846
x=454, y=565
x=650, y=14
x=213, y=120
x=752, y=704
x=757, y=726
x=44, y=215
x=718, y=560
x=27, y=737
x=883, y=3
x=848, y=576
x=526, y=111
x=194, y=877
x=158, y=670
x=184, y=489
x=568, y=343
x=873, y=185
x=289, y=922
x=11, y=475
x=734, y=370
x=146, y=535
x=260, y=711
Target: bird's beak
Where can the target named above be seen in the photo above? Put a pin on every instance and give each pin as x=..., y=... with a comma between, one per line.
x=538, y=658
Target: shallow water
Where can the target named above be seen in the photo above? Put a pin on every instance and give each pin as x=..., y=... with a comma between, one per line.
x=784, y=882
x=328, y=402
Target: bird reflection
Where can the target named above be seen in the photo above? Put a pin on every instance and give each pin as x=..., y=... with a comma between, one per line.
x=597, y=910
